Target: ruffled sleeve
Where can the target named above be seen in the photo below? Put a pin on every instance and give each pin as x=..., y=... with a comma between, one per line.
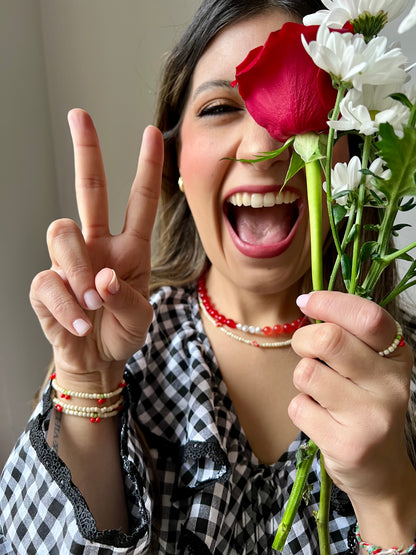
x=41, y=510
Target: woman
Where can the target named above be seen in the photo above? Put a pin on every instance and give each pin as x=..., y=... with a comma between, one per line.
x=210, y=424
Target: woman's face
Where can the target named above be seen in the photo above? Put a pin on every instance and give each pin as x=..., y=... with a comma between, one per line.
x=252, y=246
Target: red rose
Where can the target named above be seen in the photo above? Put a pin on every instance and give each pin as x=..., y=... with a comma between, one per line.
x=282, y=88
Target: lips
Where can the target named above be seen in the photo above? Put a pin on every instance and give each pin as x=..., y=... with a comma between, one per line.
x=263, y=224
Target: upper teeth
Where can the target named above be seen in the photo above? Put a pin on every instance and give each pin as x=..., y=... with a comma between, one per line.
x=260, y=200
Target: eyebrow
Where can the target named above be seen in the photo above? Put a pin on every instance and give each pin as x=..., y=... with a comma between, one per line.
x=215, y=83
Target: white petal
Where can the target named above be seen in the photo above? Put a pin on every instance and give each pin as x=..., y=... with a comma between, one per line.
x=409, y=21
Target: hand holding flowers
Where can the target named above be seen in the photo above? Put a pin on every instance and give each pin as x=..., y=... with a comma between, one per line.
x=307, y=86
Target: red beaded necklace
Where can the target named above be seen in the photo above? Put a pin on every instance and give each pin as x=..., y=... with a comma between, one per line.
x=220, y=320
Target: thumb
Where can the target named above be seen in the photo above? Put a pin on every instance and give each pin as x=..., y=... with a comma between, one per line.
x=131, y=309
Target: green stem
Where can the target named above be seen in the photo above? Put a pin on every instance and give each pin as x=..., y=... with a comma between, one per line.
x=344, y=243
x=328, y=166
x=358, y=220
x=322, y=516
x=412, y=119
x=314, y=182
x=378, y=266
x=295, y=497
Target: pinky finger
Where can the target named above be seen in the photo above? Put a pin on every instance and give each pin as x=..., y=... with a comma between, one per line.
x=53, y=303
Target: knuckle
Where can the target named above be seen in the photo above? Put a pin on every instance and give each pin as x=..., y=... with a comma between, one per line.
x=41, y=281
x=91, y=182
x=304, y=373
x=60, y=229
x=371, y=318
x=329, y=339
x=61, y=307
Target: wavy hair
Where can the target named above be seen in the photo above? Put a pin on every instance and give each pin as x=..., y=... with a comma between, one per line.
x=179, y=255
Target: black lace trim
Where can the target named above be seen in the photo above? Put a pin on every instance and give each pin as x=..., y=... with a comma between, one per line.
x=62, y=476
x=340, y=502
x=209, y=449
x=190, y=544
x=352, y=541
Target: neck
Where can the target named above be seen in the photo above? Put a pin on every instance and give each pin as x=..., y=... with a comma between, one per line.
x=250, y=305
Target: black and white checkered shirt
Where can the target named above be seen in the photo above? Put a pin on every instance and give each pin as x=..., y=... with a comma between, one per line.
x=204, y=493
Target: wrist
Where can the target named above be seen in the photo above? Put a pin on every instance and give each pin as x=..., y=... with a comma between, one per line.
x=389, y=519
x=103, y=380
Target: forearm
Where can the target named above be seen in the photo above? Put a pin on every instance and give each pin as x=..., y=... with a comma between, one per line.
x=92, y=454
x=390, y=519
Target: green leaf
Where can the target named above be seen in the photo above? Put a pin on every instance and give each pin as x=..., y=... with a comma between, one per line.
x=346, y=266
x=400, y=156
x=264, y=155
x=409, y=205
x=339, y=213
x=296, y=164
x=368, y=250
x=402, y=98
x=372, y=227
x=303, y=453
x=308, y=146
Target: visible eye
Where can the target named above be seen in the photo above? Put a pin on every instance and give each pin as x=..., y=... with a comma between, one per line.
x=218, y=109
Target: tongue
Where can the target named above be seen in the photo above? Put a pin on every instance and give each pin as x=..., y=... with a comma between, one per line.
x=264, y=226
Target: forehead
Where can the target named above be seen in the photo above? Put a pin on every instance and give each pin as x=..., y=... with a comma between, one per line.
x=233, y=43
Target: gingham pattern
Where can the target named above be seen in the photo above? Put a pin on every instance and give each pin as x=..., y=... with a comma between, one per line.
x=214, y=496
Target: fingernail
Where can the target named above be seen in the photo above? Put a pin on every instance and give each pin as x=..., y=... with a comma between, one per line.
x=302, y=300
x=114, y=285
x=81, y=326
x=92, y=300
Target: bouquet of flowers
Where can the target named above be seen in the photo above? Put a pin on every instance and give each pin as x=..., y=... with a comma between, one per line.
x=308, y=86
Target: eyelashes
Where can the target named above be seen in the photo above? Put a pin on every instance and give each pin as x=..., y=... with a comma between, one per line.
x=219, y=109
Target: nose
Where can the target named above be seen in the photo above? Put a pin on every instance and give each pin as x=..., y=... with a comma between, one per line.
x=255, y=140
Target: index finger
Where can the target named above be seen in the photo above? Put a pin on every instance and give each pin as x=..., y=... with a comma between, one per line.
x=90, y=182
x=145, y=191
x=360, y=317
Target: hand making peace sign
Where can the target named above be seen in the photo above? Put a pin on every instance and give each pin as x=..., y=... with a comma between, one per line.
x=93, y=302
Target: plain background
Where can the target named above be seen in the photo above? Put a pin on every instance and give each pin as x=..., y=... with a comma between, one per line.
x=101, y=55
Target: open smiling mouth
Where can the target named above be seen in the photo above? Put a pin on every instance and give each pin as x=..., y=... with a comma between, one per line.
x=263, y=225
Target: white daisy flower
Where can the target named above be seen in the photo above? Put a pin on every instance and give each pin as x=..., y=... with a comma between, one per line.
x=346, y=177
x=409, y=21
x=352, y=61
x=365, y=110
x=341, y=11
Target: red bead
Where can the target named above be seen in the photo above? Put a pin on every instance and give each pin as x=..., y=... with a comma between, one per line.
x=267, y=330
x=58, y=408
x=255, y=344
x=98, y=419
x=277, y=329
x=92, y=420
x=286, y=328
x=53, y=376
x=101, y=401
x=221, y=319
x=230, y=323
x=402, y=342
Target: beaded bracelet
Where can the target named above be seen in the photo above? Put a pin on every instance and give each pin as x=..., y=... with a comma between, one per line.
x=95, y=414
x=100, y=397
x=376, y=550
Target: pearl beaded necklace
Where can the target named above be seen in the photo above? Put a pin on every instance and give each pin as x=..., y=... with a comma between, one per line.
x=222, y=323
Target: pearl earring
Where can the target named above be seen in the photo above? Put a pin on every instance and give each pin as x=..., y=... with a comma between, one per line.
x=180, y=184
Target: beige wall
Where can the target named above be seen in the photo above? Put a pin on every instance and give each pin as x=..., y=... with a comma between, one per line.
x=101, y=55
x=104, y=56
